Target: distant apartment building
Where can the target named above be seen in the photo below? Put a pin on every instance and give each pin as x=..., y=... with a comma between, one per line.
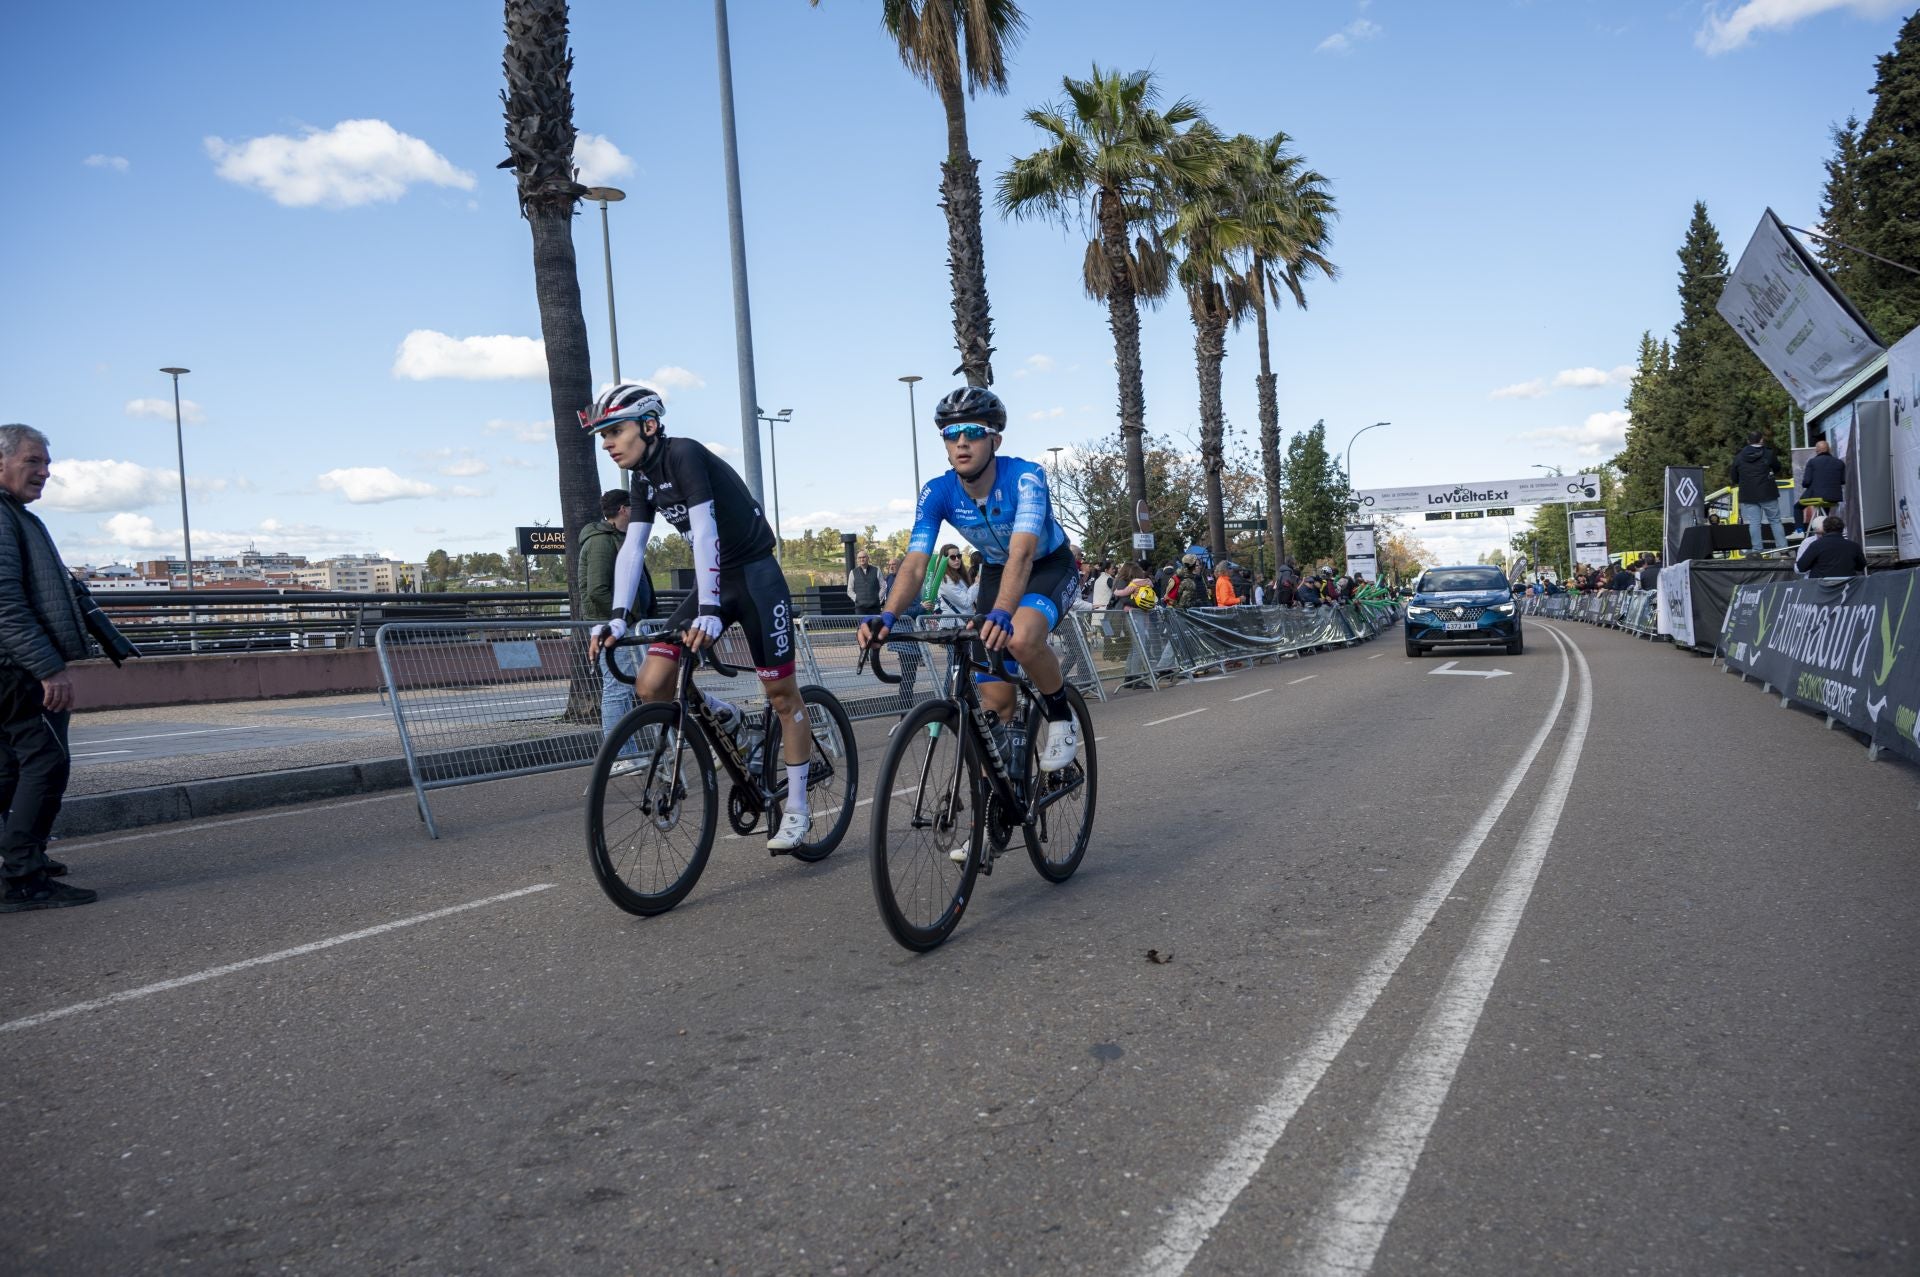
x=362, y=574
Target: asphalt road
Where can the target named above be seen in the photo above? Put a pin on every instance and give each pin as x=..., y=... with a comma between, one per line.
x=1603, y=966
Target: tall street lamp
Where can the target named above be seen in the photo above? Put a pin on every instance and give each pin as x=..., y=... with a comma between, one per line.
x=608, y=195
x=913, y=433
x=773, y=455
x=1356, y=434
x=737, y=242
x=180, y=451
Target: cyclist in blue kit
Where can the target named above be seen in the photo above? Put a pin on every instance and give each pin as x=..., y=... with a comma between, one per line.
x=1003, y=507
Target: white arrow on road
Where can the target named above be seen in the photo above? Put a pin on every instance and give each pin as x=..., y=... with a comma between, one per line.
x=1448, y=669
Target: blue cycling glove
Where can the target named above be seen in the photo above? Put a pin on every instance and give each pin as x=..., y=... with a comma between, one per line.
x=1002, y=618
x=884, y=621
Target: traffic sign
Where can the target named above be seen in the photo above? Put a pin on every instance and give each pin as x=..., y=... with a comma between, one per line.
x=1245, y=525
x=1143, y=540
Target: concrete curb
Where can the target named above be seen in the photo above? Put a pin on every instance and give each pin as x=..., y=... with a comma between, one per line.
x=89, y=814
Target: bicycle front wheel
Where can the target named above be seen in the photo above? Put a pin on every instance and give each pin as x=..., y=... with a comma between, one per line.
x=651, y=816
x=833, y=773
x=926, y=807
x=1057, y=840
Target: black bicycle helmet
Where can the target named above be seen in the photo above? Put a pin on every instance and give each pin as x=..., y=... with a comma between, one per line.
x=970, y=404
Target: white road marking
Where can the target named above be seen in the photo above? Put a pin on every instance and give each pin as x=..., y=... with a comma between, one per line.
x=1292, y=681
x=1447, y=668
x=1250, y=695
x=194, y=827
x=1376, y=656
x=1346, y=1236
x=198, y=731
x=1194, y=1219
x=148, y=990
x=103, y=753
x=1189, y=714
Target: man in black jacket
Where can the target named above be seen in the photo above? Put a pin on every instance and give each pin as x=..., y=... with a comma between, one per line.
x=1755, y=472
x=1650, y=572
x=41, y=629
x=1831, y=553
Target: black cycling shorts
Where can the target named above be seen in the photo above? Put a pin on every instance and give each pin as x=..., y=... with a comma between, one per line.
x=1053, y=586
x=753, y=596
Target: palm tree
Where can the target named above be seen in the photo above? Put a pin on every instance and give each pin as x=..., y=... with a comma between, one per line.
x=539, y=108
x=958, y=46
x=1211, y=230
x=1109, y=168
x=1289, y=210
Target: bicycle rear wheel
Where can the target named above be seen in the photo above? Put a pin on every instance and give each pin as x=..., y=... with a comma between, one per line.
x=926, y=804
x=1057, y=841
x=651, y=816
x=833, y=773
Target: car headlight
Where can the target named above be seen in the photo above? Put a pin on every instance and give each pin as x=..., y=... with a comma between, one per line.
x=1414, y=609
x=1504, y=609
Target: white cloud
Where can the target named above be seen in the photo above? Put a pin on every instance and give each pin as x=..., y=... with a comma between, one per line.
x=135, y=532
x=721, y=449
x=369, y=485
x=1724, y=32
x=162, y=409
x=671, y=377
x=107, y=485
x=1346, y=37
x=354, y=162
x=1567, y=379
x=1522, y=390
x=522, y=431
x=1034, y=365
x=1602, y=433
x=517, y=463
x=464, y=468
x=597, y=161
x=426, y=355
x=1047, y=414
x=118, y=163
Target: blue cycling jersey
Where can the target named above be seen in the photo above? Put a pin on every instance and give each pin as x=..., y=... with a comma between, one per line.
x=1019, y=502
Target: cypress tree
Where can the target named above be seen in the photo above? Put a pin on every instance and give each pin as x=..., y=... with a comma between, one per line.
x=1652, y=435
x=1889, y=191
x=1720, y=392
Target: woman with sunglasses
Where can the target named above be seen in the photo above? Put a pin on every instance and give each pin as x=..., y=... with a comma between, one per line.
x=1002, y=506
x=957, y=597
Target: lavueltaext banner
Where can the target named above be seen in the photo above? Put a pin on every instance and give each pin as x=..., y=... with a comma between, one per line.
x=1539, y=490
x=1792, y=315
x=1846, y=646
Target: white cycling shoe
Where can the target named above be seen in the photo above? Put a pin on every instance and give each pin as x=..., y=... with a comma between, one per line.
x=1063, y=742
x=792, y=832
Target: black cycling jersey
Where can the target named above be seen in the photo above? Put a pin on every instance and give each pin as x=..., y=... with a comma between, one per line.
x=684, y=474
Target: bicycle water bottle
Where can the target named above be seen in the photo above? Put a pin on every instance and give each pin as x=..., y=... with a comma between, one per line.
x=1016, y=746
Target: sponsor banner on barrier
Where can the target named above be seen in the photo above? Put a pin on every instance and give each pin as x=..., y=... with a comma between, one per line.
x=1903, y=383
x=1848, y=647
x=1675, y=589
x=1539, y=490
x=1790, y=314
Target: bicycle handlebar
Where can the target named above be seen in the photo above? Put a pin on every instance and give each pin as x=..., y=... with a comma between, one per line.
x=709, y=653
x=995, y=662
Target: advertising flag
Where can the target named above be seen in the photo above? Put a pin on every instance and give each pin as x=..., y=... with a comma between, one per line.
x=1794, y=317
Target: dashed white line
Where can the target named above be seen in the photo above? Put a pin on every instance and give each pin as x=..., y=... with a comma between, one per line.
x=148, y=990
x=1376, y=656
x=197, y=731
x=1250, y=695
x=103, y=753
x=1189, y=714
x=1194, y=1219
x=1292, y=681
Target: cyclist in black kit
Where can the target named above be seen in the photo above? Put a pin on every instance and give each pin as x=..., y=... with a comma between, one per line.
x=735, y=574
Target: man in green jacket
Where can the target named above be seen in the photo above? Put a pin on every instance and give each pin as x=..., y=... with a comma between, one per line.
x=599, y=545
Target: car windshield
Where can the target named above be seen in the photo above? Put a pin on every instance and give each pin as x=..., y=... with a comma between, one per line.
x=1447, y=580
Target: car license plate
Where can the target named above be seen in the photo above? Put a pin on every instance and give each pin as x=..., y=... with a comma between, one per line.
x=1463, y=625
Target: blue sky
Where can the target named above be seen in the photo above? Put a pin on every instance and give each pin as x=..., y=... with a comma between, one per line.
x=1514, y=178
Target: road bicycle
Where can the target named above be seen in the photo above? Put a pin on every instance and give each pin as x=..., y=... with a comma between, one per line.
x=948, y=784
x=652, y=815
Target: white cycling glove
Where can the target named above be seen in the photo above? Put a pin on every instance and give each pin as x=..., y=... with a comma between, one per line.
x=708, y=625
x=614, y=629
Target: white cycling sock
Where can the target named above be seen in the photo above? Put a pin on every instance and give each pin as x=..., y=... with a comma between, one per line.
x=797, y=788
x=724, y=709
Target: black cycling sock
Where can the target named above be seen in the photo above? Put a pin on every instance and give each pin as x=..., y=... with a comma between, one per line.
x=1055, y=704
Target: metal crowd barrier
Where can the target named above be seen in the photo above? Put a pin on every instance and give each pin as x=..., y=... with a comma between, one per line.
x=1635, y=611
x=486, y=700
